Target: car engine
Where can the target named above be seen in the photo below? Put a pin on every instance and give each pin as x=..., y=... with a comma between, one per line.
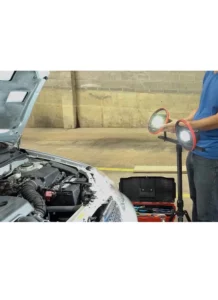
x=42, y=191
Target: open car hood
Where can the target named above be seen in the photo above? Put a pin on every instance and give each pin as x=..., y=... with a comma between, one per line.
x=18, y=93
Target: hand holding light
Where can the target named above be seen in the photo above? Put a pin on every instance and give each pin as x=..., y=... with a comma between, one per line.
x=187, y=137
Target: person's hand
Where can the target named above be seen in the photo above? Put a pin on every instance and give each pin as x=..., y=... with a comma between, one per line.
x=170, y=127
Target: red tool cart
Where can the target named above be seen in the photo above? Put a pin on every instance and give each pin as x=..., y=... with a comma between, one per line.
x=152, y=197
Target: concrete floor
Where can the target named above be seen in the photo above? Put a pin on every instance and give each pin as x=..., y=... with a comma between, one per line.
x=120, y=148
x=108, y=148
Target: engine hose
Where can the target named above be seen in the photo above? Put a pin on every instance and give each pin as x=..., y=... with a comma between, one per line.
x=29, y=192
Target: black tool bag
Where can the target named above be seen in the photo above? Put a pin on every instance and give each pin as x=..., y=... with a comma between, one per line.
x=149, y=189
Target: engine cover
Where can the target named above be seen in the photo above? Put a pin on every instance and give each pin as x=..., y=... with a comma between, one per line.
x=12, y=208
x=48, y=175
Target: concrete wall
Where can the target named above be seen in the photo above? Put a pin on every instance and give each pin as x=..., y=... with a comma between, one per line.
x=55, y=106
x=114, y=99
x=144, y=81
x=127, y=99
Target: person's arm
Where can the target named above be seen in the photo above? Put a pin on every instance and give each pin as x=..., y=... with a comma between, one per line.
x=170, y=127
x=205, y=124
x=191, y=116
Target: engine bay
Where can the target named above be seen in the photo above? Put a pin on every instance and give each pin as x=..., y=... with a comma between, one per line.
x=42, y=191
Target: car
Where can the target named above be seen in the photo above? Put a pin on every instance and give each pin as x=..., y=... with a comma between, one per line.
x=41, y=187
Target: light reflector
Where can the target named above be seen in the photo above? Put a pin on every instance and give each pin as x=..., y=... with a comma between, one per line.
x=185, y=136
x=159, y=118
x=157, y=122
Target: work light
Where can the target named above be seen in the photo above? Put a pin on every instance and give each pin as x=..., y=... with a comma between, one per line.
x=186, y=136
x=158, y=119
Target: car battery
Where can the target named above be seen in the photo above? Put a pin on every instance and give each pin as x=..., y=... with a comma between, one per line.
x=152, y=197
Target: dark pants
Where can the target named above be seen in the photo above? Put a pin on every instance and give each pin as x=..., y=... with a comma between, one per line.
x=203, y=185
